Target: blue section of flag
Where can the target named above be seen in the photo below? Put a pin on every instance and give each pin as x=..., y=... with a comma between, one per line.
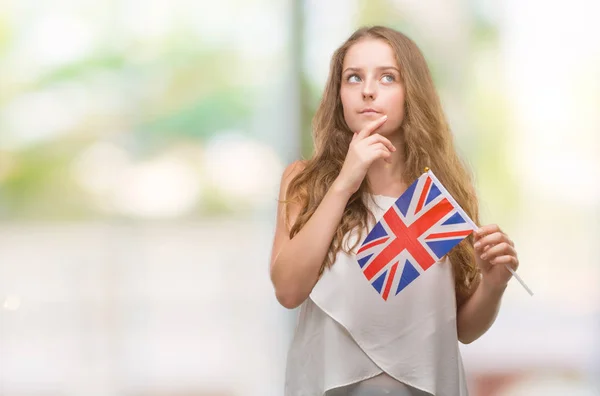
x=409, y=274
x=434, y=192
x=378, y=284
x=364, y=260
x=440, y=248
x=377, y=232
x=404, y=201
x=456, y=218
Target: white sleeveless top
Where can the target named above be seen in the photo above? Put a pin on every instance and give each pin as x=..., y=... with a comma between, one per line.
x=350, y=341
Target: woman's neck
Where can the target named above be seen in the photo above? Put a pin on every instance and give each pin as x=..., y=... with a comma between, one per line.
x=387, y=178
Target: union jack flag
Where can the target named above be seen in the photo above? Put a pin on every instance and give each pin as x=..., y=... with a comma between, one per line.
x=420, y=228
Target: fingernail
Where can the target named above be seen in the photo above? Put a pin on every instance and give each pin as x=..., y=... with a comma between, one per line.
x=477, y=244
x=384, y=117
x=483, y=256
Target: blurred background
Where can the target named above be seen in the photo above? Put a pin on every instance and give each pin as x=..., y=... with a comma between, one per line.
x=141, y=148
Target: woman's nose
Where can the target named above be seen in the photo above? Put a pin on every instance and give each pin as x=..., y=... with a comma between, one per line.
x=369, y=89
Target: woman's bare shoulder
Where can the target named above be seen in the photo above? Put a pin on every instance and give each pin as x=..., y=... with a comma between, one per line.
x=294, y=168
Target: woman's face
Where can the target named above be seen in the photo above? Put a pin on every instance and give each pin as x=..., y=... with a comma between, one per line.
x=371, y=86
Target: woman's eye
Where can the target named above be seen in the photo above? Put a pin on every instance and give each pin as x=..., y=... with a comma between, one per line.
x=388, y=78
x=353, y=78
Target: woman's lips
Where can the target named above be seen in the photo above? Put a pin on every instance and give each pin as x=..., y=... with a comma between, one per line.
x=370, y=112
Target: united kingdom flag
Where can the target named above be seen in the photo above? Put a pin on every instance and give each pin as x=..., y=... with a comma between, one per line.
x=420, y=228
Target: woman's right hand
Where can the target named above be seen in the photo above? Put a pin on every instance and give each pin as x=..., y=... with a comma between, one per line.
x=364, y=149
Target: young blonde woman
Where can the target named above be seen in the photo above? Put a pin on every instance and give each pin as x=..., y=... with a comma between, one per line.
x=379, y=124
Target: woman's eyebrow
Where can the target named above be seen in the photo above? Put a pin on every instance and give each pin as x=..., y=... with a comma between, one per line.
x=380, y=68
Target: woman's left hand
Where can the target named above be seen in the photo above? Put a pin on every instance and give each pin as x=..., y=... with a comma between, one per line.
x=493, y=249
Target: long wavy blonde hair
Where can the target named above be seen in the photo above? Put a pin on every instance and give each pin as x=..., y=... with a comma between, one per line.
x=428, y=142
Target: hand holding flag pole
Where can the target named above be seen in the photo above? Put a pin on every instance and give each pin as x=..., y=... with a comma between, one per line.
x=475, y=228
x=419, y=229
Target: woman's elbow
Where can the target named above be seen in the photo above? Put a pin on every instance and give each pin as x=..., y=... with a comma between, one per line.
x=465, y=340
x=288, y=301
x=288, y=298
x=289, y=291
x=467, y=337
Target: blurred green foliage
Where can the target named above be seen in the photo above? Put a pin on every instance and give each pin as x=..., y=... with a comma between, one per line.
x=176, y=90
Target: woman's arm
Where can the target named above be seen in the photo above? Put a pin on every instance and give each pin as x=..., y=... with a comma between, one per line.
x=478, y=313
x=295, y=263
x=493, y=249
